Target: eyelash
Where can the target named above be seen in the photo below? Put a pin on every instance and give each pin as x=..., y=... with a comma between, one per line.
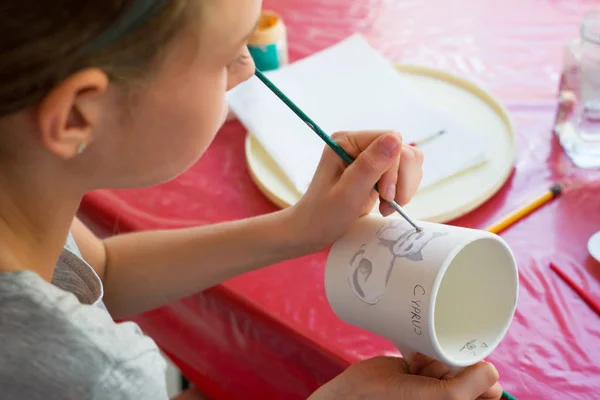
x=239, y=60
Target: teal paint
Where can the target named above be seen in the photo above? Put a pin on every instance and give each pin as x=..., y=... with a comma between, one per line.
x=269, y=57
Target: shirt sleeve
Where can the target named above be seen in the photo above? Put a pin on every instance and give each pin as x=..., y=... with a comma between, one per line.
x=133, y=380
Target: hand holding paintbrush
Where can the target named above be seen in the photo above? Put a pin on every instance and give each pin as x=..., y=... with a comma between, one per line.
x=339, y=193
x=391, y=190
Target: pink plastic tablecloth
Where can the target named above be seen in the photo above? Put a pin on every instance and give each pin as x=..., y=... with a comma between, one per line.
x=271, y=334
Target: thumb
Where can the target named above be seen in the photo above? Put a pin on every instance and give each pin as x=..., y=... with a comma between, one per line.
x=473, y=381
x=364, y=173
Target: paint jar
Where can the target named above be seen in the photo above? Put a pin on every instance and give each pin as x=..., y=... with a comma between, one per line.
x=268, y=45
x=578, y=118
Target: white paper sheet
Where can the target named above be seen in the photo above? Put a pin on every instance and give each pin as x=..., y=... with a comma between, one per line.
x=349, y=86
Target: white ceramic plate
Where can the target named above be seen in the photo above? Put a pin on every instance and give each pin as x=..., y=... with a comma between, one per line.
x=594, y=246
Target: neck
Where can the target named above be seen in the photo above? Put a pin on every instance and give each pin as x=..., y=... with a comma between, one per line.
x=35, y=218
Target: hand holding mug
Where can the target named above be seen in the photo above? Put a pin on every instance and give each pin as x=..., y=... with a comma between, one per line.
x=383, y=378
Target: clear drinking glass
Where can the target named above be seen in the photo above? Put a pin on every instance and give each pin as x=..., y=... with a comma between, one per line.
x=578, y=119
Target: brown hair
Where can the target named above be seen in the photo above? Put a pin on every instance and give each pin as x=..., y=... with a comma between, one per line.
x=41, y=43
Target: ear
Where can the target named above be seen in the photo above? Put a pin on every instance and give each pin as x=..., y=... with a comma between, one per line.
x=68, y=114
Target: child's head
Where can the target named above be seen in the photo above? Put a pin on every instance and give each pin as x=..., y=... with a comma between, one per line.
x=141, y=107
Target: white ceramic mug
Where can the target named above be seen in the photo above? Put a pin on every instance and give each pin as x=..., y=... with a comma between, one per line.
x=447, y=292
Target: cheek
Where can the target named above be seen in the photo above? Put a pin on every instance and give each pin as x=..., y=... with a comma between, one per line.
x=176, y=128
x=200, y=114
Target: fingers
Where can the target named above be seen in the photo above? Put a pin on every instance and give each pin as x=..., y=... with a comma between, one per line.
x=474, y=382
x=381, y=365
x=370, y=203
x=353, y=143
x=482, y=378
x=436, y=370
x=385, y=208
x=379, y=159
x=429, y=367
x=419, y=361
x=493, y=393
x=408, y=177
x=410, y=173
x=371, y=164
x=387, y=184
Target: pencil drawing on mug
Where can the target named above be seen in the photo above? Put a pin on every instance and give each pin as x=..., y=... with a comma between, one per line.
x=368, y=279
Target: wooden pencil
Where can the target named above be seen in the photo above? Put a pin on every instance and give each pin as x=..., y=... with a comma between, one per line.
x=527, y=209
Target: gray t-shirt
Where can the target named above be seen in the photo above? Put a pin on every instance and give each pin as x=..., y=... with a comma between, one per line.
x=57, y=341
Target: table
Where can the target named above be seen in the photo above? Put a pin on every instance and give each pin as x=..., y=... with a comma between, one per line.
x=271, y=334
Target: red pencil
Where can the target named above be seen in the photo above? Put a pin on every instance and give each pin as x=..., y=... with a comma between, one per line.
x=593, y=304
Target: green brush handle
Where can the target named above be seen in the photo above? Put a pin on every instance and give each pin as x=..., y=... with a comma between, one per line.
x=306, y=119
x=330, y=142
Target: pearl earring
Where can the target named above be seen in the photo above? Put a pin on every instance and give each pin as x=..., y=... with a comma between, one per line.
x=80, y=148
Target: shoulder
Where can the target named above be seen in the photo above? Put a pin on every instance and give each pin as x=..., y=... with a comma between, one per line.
x=52, y=344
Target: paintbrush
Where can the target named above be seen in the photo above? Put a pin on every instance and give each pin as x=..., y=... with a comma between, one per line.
x=427, y=139
x=326, y=138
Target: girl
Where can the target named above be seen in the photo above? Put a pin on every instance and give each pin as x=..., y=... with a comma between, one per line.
x=129, y=93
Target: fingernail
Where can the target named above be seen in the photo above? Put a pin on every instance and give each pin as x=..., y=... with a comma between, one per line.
x=389, y=146
x=390, y=192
